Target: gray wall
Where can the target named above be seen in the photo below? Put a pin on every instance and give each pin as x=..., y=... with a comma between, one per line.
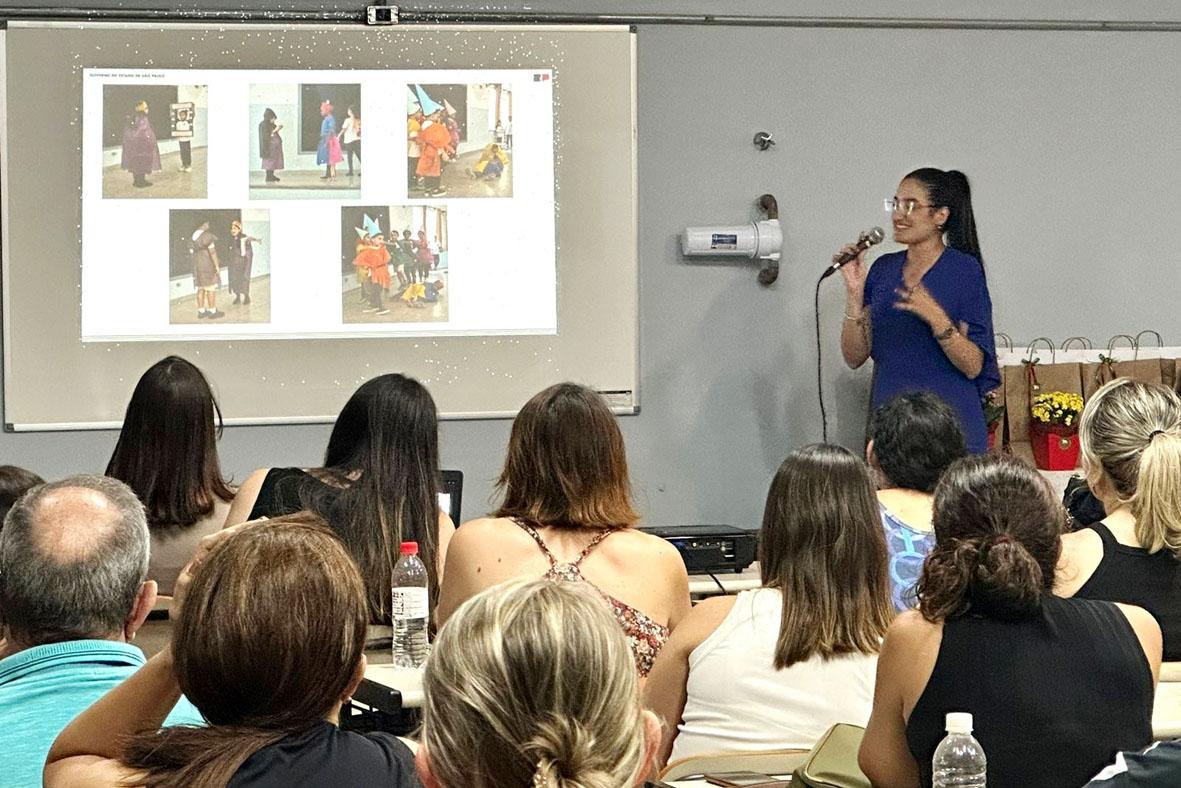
x=728, y=368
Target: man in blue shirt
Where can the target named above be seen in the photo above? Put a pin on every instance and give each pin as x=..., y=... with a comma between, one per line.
x=73, y=593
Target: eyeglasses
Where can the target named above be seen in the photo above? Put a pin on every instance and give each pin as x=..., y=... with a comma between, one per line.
x=904, y=207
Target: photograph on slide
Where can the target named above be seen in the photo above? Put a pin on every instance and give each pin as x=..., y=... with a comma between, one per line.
x=305, y=141
x=155, y=141
x=215, y=254
x=394, y=264
x=459, y=140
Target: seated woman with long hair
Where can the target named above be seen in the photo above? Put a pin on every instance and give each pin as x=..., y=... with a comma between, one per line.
x=533, y=684
x=912, y=439
x=1130, y=437
x=167, y=454
x=1055, y=686
x=378, y=487
x=775, y=667
x=267, y=646
x=567, y=516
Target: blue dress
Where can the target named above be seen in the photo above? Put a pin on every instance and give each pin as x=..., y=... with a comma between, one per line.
x=907, y=548
x=906, y=355
x=327, y=129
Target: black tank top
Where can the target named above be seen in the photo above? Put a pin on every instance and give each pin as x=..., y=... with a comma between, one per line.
x=1052, y=697
x=1134, y=576
x=280, y=492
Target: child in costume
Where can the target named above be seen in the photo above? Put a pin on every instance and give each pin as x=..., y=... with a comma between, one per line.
x=270, y=144
x=328, y=152
x=350, y=136
x=373, y=256
x=492, y=162
x=206, y=272
x=241, y=260
x=141, y=153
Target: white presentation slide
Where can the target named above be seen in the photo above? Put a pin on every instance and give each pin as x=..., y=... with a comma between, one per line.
x=240, y=204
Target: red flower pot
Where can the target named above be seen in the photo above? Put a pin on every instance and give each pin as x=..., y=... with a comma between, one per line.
x=1055, y=446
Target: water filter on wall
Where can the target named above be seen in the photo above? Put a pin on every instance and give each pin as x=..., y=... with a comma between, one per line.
x=762, y=239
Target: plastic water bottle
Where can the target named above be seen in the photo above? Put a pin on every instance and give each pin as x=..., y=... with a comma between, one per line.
x=959, y=759
x=410, y=611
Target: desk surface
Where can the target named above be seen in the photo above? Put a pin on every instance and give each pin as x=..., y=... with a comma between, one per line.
x=730, y=582
x=407, y=681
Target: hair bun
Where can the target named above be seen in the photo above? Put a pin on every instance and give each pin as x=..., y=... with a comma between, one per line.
x=563, y=750
x=1007, y=581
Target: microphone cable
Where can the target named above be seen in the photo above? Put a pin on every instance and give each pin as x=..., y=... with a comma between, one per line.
x=819, y=367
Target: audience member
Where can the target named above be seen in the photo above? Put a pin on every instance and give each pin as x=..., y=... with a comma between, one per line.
x=567, y=515
x=777, y=666
x=167, y=454
x=14, y=482
x=268, y=644
x=1055, y=686
x=73, y=562
x=379, y=485
x=1130, y=437
x=531, y=684
x=912, y=439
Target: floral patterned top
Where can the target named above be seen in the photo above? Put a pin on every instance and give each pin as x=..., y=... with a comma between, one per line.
x=645, y=635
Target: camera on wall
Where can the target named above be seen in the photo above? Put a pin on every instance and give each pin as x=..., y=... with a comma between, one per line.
x=381, y=15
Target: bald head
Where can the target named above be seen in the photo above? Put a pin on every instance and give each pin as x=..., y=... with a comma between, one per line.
x=73, y=556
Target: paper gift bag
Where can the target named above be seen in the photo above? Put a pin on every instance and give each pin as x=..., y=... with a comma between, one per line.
x=1107, y=368
x=1146, y=364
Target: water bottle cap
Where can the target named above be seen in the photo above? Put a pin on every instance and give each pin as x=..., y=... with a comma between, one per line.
x=959, y=722
x=411, y=548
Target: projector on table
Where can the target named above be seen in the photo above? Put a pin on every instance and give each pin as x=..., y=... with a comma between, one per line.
x=710, y=548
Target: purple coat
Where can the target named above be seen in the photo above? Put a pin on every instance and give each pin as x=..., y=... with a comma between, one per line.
x=141, y=154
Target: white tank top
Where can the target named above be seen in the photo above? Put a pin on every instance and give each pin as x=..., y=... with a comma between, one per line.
x=737, y=700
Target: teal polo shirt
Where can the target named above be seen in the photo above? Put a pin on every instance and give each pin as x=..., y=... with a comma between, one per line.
x=43, y=688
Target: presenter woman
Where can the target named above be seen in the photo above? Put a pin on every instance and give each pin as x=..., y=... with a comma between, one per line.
x=924, y=315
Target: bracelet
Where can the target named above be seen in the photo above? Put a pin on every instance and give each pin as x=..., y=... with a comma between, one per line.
x=855, y=318
x=946, y=333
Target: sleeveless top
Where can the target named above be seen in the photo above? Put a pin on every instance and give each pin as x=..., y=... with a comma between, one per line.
x=1134, y=576
x=907, y=548
x=736, y=700
x=645, y=635
x=1052, y=697
x=279, y=493
x=325, y=755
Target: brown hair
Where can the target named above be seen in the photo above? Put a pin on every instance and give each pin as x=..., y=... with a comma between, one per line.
x=822, y=546
x=269, y=639
x=167, y=447
x=1131, y=432
x=566, y=465
x=533, y=683
x=997, y=527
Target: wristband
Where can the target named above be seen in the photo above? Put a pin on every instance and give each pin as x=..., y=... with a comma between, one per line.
x=946, y=333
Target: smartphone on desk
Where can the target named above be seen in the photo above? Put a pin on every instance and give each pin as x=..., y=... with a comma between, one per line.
x=743, y=779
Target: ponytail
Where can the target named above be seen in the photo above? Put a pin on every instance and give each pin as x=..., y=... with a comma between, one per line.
x=184, y=757
x=1156, y=504
x=997, y=526
x=564, y=751
x=951, y=190
x=994, y=575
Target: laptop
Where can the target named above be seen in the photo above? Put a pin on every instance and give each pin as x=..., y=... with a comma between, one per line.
x=451, y=494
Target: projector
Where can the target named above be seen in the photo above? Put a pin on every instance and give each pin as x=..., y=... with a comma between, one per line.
x=710, y=548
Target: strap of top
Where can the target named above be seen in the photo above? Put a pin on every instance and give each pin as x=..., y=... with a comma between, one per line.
x=553, y=561
x=1105, y=535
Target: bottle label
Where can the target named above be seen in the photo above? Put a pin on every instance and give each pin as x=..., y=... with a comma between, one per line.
x=409, y=603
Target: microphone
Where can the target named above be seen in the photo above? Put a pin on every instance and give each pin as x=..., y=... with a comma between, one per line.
x=864, y=241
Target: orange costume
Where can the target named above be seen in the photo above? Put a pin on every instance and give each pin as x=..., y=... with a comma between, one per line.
x=374, y=257
x=434, y=139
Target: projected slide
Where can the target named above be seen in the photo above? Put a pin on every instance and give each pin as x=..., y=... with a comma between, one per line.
x=238, y=204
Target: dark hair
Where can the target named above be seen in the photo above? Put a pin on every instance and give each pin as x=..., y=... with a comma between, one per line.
x=73, y=556
x=382, y=471
x=269, y=114
x=950, y=190
x=14, y=482
x=566, y=463
x=997, y=527
x=167, y=449
x=269, y=639
x=915, y=437
x=823, y=547
x=356, y=113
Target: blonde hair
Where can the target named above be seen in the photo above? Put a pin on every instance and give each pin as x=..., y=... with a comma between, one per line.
x=532, y=683
x=1131, y=432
